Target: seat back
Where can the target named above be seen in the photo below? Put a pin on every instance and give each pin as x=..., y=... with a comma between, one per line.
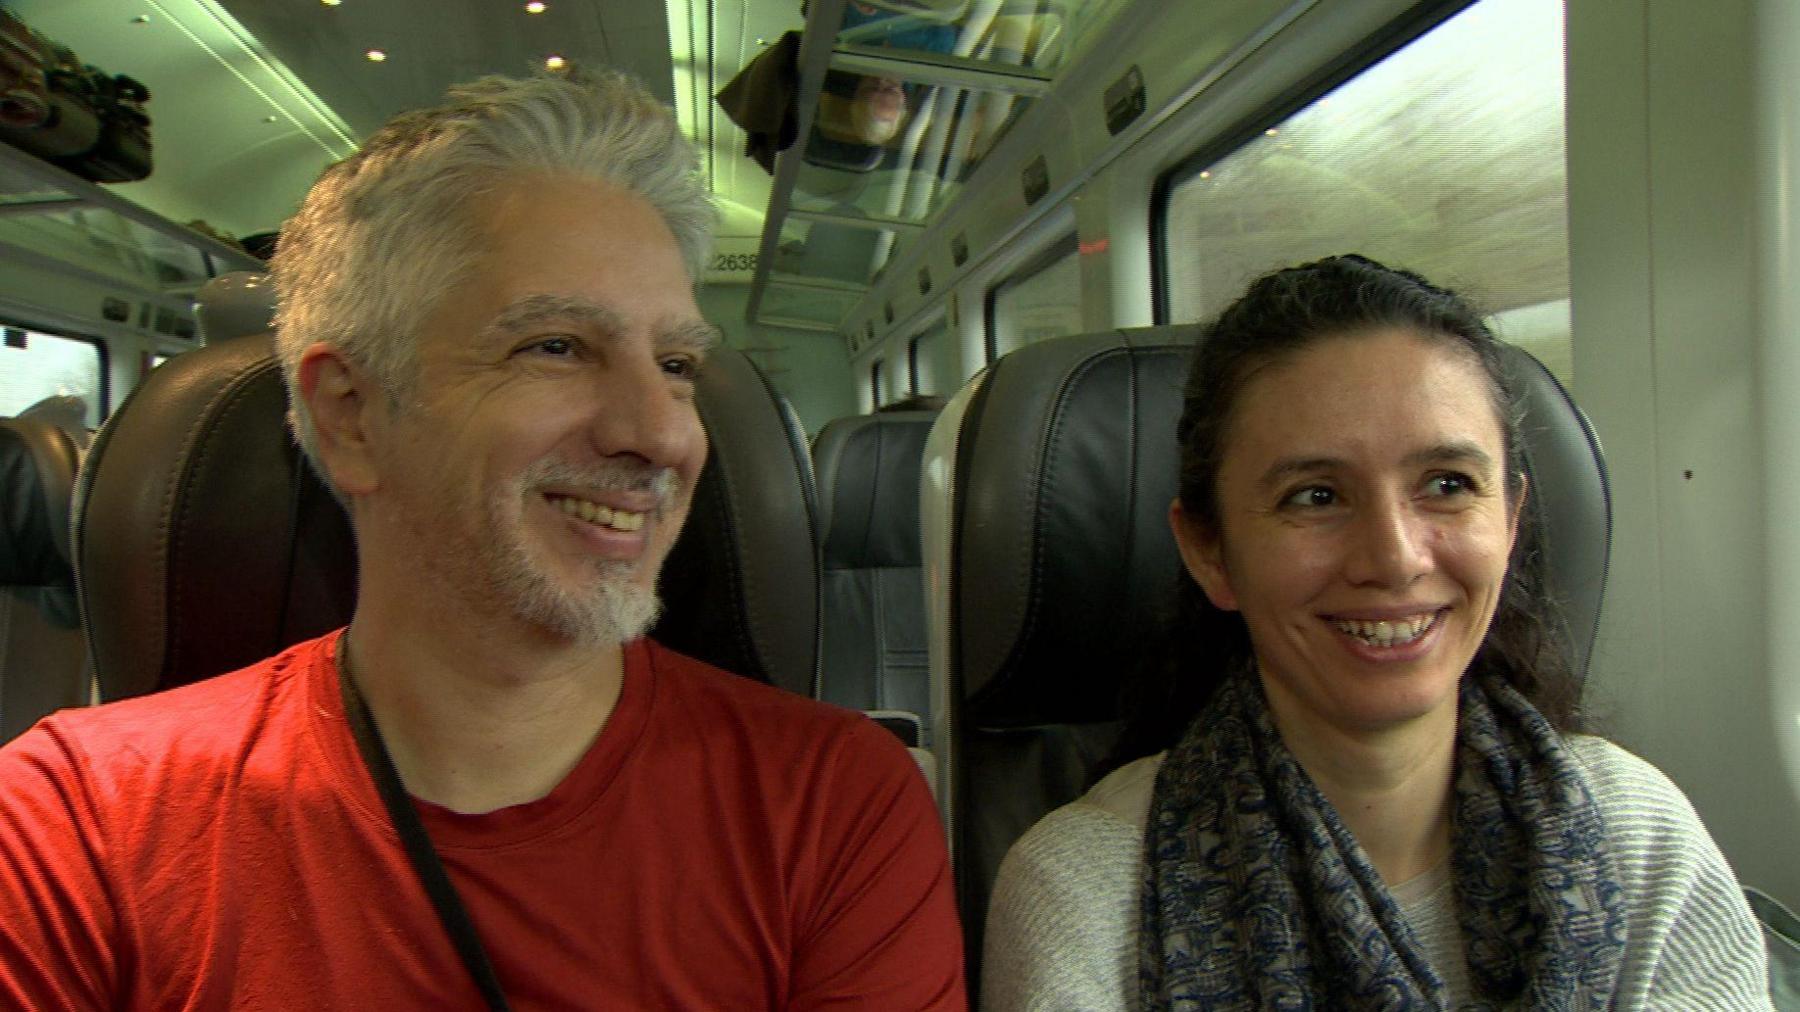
x=42, y=656
x=874, y=632
x=1047, y=484
x=1050, y=562
x=204, y=542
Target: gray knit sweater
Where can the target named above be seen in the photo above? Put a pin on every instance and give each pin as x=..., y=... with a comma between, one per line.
x=1062, y=925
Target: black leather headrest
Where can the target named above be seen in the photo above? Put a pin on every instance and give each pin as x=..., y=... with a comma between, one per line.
x=1064, y=475
x=38, y=462
x=205, y=543
x=868, y=468
x=1569, y=497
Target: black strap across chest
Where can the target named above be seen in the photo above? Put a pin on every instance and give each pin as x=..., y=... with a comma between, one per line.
x=419, y=850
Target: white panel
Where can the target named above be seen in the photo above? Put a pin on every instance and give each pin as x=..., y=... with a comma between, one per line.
x=936, y=491
x=1661, y=156
x=1777, y=31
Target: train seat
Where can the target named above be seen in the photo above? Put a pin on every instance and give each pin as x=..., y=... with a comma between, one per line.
x=43, y=658
x=874, y=632
x=205, y=542
x=1050, y=564
x=1046, y=484
x=873, y=635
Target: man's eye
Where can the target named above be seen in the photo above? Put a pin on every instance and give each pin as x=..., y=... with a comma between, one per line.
x=1312, y=496
x=553, y=346
x=682, y=366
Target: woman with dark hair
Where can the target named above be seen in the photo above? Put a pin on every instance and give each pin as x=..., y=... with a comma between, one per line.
x=1362, y=783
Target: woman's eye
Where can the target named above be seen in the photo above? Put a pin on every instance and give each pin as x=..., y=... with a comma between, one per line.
x=1447, y=485
x=1310, y=497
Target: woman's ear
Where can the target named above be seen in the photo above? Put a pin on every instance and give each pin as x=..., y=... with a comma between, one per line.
x=1515, y=510
x=339, y=398
x=1203, y=557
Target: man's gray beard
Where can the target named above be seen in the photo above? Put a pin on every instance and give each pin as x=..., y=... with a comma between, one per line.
x=614, y=609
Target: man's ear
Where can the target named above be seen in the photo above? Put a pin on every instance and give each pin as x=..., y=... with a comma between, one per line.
x=1203, y=557
x=343, y=401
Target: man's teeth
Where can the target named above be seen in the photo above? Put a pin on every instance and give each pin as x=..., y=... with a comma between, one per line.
x=1388, y=633
x=594, y=513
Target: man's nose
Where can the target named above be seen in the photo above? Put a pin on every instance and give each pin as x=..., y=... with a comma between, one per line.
x=643, y=411
x=1390, y=544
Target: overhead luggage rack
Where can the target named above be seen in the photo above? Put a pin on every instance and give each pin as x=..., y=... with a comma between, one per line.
x=56, y=221
x=898, y=102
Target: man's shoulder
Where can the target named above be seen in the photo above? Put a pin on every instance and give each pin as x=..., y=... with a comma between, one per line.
x=172, y=729
x=747, y=696
x=771, y=721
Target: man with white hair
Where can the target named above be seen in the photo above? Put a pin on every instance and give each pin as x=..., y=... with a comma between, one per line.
x=490, y=788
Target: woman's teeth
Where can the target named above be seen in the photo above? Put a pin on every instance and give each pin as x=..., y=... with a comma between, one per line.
x=1387, y=632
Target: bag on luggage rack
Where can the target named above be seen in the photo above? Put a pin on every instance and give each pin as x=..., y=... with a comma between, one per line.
x=24, y=90
x=121, y=149
x=69, y=113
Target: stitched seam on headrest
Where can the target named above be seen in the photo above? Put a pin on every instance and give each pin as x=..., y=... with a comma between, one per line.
x=221, y=406
x=868, y=520
x=752, y=594
x=78, y=506
x=737, y=584
x=1035, y=561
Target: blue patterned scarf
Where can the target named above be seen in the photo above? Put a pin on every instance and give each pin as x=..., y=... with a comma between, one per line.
x=1256, y=896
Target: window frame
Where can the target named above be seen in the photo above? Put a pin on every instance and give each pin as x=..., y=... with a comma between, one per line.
x=104, y=393
x=1373, y=49
x=1062, y=246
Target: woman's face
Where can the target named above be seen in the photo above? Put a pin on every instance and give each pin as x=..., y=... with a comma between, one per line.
x=1364, y=528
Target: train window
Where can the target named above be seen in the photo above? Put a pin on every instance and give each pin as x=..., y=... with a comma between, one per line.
x=1446, y=158
x=1041, y=300
x=877, y=385
x=35, y=365
x=931, y=365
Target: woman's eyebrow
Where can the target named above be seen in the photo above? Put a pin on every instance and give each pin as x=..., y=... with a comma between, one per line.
x=1455, y=451
x=1283, y=470
x=1452, y=452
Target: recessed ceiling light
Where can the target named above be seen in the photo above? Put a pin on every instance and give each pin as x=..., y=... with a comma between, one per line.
x=1271, y=132
x=331, y=3
x=376, y=55
x=556, y=63
x=536, y=7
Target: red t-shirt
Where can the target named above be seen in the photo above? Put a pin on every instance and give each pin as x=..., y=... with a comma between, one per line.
x=723, y=845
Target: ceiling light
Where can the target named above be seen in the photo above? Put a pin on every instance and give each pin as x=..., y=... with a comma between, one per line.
x=331, y=3
x=1270, y=132
x=376, y=55
x=536, y=7
x=555, y=63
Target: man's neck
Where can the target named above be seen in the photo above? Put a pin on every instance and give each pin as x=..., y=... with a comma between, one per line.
x=478, y=721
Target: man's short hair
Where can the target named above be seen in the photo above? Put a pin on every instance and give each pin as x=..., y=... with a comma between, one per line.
x=386, y=233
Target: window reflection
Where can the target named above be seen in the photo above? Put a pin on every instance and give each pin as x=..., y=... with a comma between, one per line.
x=1446, y=158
